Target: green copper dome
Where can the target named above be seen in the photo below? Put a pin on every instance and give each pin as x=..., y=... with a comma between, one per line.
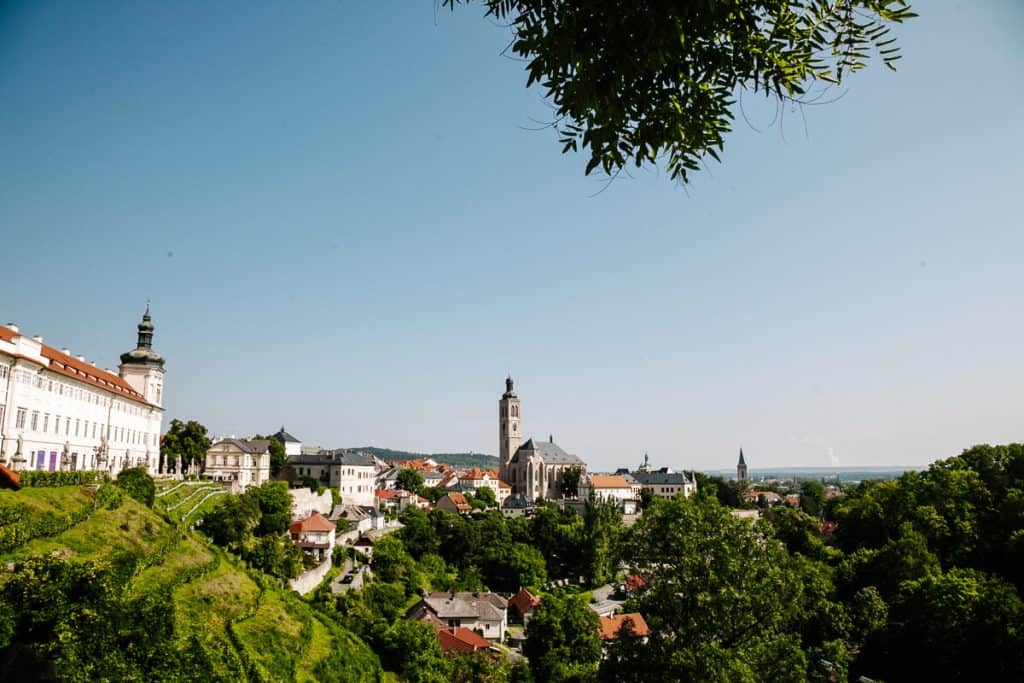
x=143, y=353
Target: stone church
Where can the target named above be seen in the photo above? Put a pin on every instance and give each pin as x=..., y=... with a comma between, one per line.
x=535, y=468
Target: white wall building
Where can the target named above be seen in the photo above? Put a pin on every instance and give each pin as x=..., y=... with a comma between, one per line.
x=245, y=463
x=292, y=446
x=351, y=473
x=60, y=412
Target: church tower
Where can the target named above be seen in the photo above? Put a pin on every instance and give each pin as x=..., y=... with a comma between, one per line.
x=508, y=428
x=142, y=367
x=741, y=468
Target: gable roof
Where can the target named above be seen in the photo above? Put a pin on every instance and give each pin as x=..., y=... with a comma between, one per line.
x=523, y=601
x=661, y=477
x=338, y=456
x=70, y=366
x=610, y=626
x=246, y=445
x=550, y=452
x=315, y=522
x=458, y=500
x=517, y=502
x=467, y=605
x=462, y=639
x=478, y=474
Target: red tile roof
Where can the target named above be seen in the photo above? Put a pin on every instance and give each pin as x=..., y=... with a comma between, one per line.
x=609, y=481
x=459, y=501
x=462, y=639
x=523, y=601
x=315, y=522
x=610, y=626
x=635, y=582
x=72, y=367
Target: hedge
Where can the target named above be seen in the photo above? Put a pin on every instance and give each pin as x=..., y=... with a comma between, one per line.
x=43, y=478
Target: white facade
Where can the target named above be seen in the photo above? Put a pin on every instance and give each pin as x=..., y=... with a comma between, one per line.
x=244, y=463
x=352, y=474
x=60, y=412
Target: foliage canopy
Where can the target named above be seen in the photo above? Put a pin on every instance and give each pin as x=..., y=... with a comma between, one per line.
x=639, y=82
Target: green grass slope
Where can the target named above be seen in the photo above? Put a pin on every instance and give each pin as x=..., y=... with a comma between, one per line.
x=93, y=593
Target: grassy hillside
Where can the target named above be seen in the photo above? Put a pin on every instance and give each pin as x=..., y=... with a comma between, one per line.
x=461, y=460
x=92, y=589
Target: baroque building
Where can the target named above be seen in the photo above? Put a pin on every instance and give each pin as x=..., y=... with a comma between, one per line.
x=60, y=412
x=533, y=469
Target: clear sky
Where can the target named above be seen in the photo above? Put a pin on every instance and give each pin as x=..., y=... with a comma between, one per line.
x=346, y=226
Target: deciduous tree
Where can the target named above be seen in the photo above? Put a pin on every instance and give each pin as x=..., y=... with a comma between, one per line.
x=643, y=83
x=187, y=440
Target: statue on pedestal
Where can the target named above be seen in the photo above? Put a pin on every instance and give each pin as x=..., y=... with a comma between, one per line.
x=65, y=456
x=18, y=462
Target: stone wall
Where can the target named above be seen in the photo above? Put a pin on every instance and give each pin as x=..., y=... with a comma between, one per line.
x=305, y=501
x=307, y=581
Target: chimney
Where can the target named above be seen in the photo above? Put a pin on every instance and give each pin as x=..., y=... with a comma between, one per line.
x=80, y=357
x=66, y=351
x=37, y=338
x=13, y=326
x=551, y=438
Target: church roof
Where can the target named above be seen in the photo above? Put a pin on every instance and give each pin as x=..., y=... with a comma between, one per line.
x=742, y=461
x=550, y=452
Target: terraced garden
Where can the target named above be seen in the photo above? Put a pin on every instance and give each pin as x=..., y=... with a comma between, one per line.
x=239, y=625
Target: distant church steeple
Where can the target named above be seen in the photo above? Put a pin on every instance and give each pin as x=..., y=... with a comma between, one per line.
x=741, y=468
x=508, y=428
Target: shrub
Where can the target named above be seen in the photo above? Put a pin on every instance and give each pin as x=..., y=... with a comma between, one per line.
x=137, y=484
x=109, y=496
x=41, y=478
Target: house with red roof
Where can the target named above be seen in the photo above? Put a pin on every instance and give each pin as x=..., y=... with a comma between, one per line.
x=315, y=535
x=611, y=626
x=461, y=639
x=521, y=606
x=454, y=502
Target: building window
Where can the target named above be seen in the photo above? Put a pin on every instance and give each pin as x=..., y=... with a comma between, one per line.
x=46, y=422
x=94, y=430
x=35, y=420
x=78, y=423
x=67, y=426
x=19, y=422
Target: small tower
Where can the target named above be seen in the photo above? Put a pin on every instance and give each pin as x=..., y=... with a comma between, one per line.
x=508, y=428
x=741, y=468
x=142, y=367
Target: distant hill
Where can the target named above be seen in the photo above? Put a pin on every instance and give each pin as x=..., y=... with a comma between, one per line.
x=846, y=474
x=460, y=460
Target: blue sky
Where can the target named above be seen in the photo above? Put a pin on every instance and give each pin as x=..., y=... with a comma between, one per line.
x=346, y=226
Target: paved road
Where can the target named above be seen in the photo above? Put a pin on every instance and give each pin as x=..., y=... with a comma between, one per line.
x=357, y=582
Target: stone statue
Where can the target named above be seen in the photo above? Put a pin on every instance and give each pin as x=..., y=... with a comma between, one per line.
x=18, y=462
x=65, y=456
